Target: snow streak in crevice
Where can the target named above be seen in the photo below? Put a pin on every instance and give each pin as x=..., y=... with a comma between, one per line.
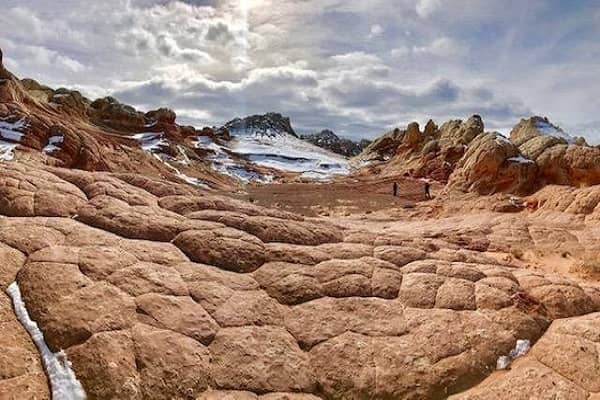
x=63, y=382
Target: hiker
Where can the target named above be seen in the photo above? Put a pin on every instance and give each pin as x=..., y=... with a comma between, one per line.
x=427, y=190
x=395, y=189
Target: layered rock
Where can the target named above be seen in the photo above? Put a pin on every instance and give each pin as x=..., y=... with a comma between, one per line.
x=561, y=158
x=384, y=147
x=471, y=160
x=432, y=153
x=493, y=164
x=61, y=127
x=563, y=364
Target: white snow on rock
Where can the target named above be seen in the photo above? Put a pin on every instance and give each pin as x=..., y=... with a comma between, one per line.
x=266, y=148
x=521, y=348
x=10, y=136
x=6, y=151
x=503, y=362
x=222, y=162
x=520, y=159
x=501, y=140
x=54, y=143
x=546, y=128
x=192, y=181
x=151, y=141
x=63, y=382
x=12, y=131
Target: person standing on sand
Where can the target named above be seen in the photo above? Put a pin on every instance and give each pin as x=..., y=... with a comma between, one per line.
x=395, y=189
x=428, y=190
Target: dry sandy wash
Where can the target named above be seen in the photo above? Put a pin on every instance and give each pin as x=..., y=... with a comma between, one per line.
x=158, y=290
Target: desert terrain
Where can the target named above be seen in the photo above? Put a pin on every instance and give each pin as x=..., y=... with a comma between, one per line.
x=158, y=261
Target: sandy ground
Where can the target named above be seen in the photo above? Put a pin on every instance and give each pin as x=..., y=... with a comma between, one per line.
x=370, y=202
x=340, y=198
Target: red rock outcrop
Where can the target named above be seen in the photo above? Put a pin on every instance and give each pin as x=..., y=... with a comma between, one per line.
x=470, y=160
x=563, y=364
x=432, y=153
x=63, y=128
x=493, y=164
x=561, y=159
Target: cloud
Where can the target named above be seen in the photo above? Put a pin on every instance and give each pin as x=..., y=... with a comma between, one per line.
x=219, y=32
x=353, y=95
x=590, y=130
x=353, y=66
x=440, y=47
x=425, y=8
x=38, y=57
x=376, y=31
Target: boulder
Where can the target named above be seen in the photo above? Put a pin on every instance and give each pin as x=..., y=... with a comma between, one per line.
x=383, y=147
x=413, y=136
x=493, y=164
x=457, y=132
x=109, y=112
x=161, y=116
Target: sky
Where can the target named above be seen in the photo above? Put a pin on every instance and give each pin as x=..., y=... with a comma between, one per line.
x=356, y=67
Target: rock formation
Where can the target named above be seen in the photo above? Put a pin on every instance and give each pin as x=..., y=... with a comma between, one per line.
x=330, y=141
x=432, y=153
x=383, y=147
x=493, y=164
x=63, y=128
x=268, y=124
x=561, y=158
x=469, y=159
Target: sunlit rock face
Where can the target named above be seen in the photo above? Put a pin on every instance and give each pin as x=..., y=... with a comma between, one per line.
x=462, y=154
x=562, y=159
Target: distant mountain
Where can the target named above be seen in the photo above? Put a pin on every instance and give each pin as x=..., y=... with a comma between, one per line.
x=330, y=141
x=270, y=141
x=269, y=124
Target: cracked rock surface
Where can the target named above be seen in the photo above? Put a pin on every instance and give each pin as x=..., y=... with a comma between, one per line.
x=184, y=294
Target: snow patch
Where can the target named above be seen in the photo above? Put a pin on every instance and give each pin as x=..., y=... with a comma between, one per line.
x=12, y=131
x=193, y=181
x=6, y=151
x=316, y=175
x=54, y=143
x=222, y=162
x=520, y=349
x=288, y=153
x=63, y=382
x=546, y=128
x=10, y=135
x=520, y=159
x=151, y=141
x=502, y=140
